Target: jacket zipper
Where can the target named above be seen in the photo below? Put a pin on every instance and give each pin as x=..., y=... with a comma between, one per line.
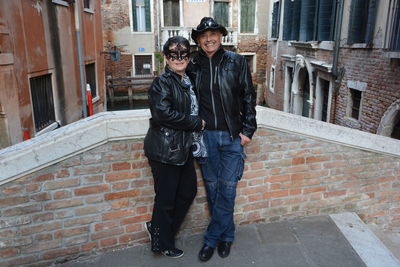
x=222, y=100
x=212, y=95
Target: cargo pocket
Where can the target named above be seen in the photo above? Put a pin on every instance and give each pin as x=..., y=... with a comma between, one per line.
x=240, y=167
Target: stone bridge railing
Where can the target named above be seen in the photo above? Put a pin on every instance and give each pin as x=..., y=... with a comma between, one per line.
x=87, y=187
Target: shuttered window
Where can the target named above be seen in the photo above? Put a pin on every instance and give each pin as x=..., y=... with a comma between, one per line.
x=395, y=38
x=42, y=101
x=275, y=20
x=247, y=16
x=287, y=20
x=171, y=12
x=326, y=20
x=307, y=20
x=295, y=20
x=362, y=21
x=221, y=12
x=141, y=20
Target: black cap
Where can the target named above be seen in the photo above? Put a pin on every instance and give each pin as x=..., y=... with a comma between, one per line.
x=207, y=23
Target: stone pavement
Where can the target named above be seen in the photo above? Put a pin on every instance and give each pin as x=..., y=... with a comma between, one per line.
x=338, y=240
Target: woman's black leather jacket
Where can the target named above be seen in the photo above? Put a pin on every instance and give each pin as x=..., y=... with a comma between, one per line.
x=237, y=93
x=169, y=138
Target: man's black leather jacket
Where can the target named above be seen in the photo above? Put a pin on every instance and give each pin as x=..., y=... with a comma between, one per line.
x=169, y=138
x=237, y=92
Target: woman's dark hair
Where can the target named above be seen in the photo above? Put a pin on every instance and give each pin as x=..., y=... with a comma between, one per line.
x=175, y=40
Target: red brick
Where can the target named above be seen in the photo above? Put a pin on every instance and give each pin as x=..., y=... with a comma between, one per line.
x=93, y=179
x=90, y=169
x=8, y=252
x=44, y=237
x=133, y=228
x=123, y=194
x=94, y=189
x=44, y=177
x=106, y=233
x=335, y=193
x=119, y=204
x=105, y=225
x=317, y=159
x=62, y=252
x=40, y=228
x=31, y=188
x=64, y=183
x=71, y=232
x=121, y=166
x=90, y=246
x=120, y=185
x=62, y=173
x=62, y=194
x=297, y=161
x=41, y=217
x=119, y=147
x=11, y=201
x=116, y=176
x=140, y=164
x=41, y=196
x=140, y=218
x=137, y=146
x=314, y=189
x=82, y=220
x=108, y=242
x=19, y=210
x=13, y=190
x=278, y=178
x=277, y=193
x=111, y=215
x=63, y=204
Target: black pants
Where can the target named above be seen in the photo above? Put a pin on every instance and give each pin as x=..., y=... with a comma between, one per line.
x=175, y=188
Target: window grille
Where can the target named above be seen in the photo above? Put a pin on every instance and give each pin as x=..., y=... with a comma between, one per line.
x=91, y=78
x=42, y=101
x=143, y=65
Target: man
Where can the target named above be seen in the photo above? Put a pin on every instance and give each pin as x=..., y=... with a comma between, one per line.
x=227, y=104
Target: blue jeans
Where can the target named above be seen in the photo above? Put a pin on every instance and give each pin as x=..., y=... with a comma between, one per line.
x=221, y=171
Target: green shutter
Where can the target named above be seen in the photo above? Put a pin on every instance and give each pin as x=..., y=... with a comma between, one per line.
x=134, y=16
x=295, y=20
x=147, y=15
x=307, y=17
x=287, y=20
x=326, y=19
x=358, y=20
x=372, y=10
x=221, y=10
x=275, y=20
x=247, y=16
x=395, y=43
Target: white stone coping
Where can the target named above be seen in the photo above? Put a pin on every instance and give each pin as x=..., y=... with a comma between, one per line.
x=295, y=124
x=72, y=139
x=367, y=245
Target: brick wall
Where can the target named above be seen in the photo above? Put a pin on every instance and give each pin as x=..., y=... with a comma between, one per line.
x=99, y=199
x=383, y=86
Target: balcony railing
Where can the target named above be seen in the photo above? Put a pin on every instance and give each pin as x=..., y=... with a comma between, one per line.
x=167, y=32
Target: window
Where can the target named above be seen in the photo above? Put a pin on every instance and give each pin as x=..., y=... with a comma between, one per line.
x=247, y=16
x=91, y=78
x=355, y=103
x=87, y=4
x=171, y=12
x=221, y=12
x=42, y=101
x=250, y=62
x=394, y=26
x=141, y=21
x=325, y=98
x=309, y=20
x=272, y=79
x=362, y=21
x=275, y=20
x=143, y=65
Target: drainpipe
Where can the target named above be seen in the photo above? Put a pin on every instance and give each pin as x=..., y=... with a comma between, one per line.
x=337, y=35
x=80, y=55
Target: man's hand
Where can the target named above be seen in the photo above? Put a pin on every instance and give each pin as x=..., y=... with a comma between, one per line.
x=244, y=139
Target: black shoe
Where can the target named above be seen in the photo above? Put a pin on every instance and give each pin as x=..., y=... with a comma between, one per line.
x=147, y=225
x=224, y=248
x=206, y=253
x=173, y=253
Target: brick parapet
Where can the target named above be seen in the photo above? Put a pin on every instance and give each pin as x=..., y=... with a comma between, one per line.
x=98, y=199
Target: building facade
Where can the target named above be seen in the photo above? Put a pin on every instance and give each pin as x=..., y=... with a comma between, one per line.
x=135, y=31
x=336, y=61
x=50, y=51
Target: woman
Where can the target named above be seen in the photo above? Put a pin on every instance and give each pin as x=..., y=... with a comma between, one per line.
x=167, y=146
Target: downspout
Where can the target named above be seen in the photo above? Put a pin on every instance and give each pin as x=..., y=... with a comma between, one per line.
x=80, y=56
x=337, y=74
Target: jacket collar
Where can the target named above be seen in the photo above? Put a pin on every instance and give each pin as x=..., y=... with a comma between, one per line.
x=176, y=76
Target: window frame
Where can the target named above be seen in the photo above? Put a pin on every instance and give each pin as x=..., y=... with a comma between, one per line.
x=162, y=14
x=275, y=20
x=151, y=19
x=55, y=123
x=94, y=97
x=229, y=11
x=254, y=64
x=356, y=86
x=272, y=79
x=134, y=74
x=255, y=28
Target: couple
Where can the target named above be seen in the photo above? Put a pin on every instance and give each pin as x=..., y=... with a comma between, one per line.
x=212, y=94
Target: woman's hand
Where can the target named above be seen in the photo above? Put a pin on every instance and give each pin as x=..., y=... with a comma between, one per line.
x=244, y=140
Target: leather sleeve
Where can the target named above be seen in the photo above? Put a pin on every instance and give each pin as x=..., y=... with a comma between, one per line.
x=164, y=111
x=248, y=100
